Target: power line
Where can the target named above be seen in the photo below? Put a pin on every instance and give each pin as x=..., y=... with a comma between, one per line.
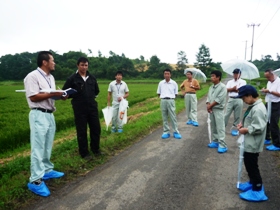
x=268, y=22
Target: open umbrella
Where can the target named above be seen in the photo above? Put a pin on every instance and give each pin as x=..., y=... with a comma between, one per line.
x=108, y=115
x=240, y=142
x=277, y=72
x=209, y=128
x=248, y=69
x=197, y=74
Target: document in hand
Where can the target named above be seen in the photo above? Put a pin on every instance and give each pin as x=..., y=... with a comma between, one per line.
x=66, y=92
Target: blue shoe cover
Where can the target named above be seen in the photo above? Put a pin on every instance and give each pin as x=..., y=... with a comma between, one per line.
x=52, y=174
x=120, y=130
x=254, y=196
x=213, y=145
x=234, y=132
x=41, y=189
x=267, y=142
x=195, y=123
x=222, y=150
x=189, y=122
x=273, y=148
x=165, y=136
x=113, y=130
x=177, y=135
x=268, y=147
x=245, y=186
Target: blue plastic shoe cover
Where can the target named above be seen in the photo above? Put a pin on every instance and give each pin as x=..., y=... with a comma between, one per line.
x=255, y=196
x=41, y=189
x=267, y=142
x=234, y=132
x=52, y=174
x=195, y=124
x=177, y=135
x=165, y=136
x=222, y=150
x=245, y=186
x=273, y=148
x=189, y=122
x=213, y=145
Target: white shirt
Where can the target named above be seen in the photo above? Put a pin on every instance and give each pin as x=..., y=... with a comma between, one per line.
x=167, y=89
x=238, y=83
x=34, y=82
x=273, y=86
x=117, y=90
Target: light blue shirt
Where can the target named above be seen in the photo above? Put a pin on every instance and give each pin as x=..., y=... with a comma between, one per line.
x=117, y=90
x=167, y=89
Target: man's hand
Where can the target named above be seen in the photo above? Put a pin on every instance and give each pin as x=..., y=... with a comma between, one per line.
x=209, y=108
x=119, y=99
x=265, y=90
x=243, y=130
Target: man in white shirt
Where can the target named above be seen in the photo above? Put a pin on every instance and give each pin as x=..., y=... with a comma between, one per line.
x=42, y=122
x=167, y=91
x=272, y=96
x=120, y=91
x=234, y=104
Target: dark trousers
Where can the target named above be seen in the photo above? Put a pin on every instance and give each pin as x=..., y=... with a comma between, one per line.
x=252, y=168
x=83, y=116
x=272, y=130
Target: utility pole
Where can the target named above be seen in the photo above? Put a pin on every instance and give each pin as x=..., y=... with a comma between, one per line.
x=245, y=48
x=253, y=24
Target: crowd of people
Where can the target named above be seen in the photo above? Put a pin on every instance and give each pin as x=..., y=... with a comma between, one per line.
x=259, y=125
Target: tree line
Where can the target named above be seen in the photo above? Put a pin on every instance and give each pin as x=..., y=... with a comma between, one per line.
x=16, y=67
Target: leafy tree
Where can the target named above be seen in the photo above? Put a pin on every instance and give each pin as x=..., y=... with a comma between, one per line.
x=182, y=61
x=99, y=53
x=155, y=68
x=204, y=61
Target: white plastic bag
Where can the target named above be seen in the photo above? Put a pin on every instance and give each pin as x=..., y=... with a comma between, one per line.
x=123, y=106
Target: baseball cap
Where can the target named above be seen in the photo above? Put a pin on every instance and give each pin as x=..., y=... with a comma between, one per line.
x=236, y=71
x=246, y=90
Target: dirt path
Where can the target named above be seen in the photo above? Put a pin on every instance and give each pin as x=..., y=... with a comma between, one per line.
x=168, y=174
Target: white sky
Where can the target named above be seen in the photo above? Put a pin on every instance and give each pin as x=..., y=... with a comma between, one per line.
x=142, y=27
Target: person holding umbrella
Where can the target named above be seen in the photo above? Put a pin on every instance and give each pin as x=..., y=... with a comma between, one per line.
x=234, y=104
x=188, y=88
x=216, y=100
x=253, y=127
x=272, y=96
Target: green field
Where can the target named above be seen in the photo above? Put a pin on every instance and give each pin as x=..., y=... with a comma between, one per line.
x=14, y=126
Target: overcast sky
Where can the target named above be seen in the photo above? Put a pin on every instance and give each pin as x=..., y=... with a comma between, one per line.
x=142, y=27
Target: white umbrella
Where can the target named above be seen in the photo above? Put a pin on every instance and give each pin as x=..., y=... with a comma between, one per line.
x=209, y=128
x=268, y=110
x=248, y=69
x=240, y=142
x=197, y=74
x=277, y=72
x=108, y=115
